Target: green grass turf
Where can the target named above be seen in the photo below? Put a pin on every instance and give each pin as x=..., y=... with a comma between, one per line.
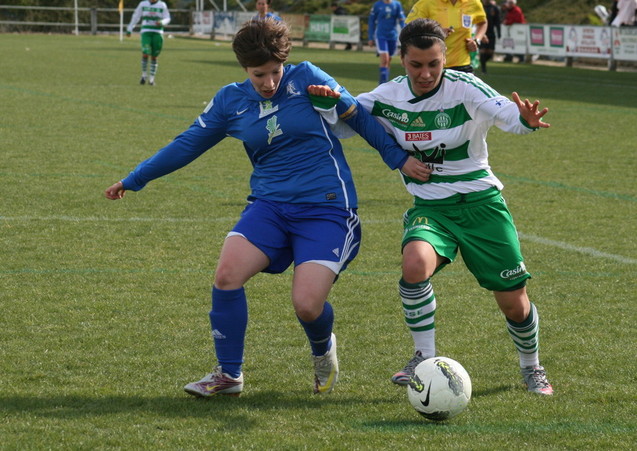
x=105, y=304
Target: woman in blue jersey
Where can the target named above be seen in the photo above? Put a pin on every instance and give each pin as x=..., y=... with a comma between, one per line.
x=442, y=116
x=302, y=205
x=385, y=19
x=263, y=12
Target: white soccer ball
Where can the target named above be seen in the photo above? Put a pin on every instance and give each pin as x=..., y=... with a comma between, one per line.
x=439, y=389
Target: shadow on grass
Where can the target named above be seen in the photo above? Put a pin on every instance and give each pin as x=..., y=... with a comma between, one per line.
x=82, y=406
x=493, y=390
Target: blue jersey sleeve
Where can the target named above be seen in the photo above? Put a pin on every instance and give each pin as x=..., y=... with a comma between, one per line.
x=207, y=130
x=371, y=24
x=363, y=123
x=384, y=19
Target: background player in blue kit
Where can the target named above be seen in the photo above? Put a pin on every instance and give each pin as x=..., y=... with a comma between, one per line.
x=384, y=19
x=263, y=12
x=302, y=205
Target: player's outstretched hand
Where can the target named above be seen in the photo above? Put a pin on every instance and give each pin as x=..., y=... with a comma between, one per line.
x=416, y=169
x=530, y=112
x=323, y=91
x=116, y=191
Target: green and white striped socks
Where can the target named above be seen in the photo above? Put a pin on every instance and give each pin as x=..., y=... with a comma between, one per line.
x=525, y=337
x=419, y=307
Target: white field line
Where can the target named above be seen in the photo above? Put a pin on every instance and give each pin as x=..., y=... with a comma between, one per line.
x=582, y=250
x=523, y=236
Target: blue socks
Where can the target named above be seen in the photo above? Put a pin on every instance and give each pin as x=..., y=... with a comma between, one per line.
x=229, y=321
x=384, y=75
x=319, y=331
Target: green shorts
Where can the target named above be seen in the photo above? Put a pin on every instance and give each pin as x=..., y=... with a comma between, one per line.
x=481, y=227
x=152, y=43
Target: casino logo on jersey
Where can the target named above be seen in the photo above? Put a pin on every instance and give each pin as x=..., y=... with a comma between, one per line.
x=403, y=120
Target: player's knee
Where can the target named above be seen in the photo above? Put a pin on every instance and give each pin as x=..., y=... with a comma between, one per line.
x=307, y=313
x=514, y=313
x=226, y=278
x=514, y=305
x=415, y=268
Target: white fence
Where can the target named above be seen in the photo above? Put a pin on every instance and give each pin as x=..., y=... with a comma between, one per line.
x=570, y=41
x=566, y=42
x=78, y=20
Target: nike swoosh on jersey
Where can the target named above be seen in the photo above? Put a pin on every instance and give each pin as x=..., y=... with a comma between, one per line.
x=239, y=113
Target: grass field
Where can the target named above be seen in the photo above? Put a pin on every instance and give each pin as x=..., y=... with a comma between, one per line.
x=105, y=304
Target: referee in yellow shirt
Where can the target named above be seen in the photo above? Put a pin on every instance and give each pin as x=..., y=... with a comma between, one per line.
x=458, y=19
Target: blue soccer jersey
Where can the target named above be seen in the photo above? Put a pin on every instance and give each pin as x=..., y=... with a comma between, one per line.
x=383, y=20
x=295, y=155
x=267, y=16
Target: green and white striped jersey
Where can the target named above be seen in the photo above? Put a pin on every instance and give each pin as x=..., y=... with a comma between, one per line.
x=446, y=128
x=154, y=16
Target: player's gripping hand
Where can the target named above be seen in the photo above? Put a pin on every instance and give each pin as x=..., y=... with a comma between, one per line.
x=413, y=167
x=530, y=111
x=323, y=91
x=416, y=169
x=115, y=191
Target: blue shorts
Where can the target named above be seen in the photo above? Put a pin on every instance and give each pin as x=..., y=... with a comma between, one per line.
x=386, y=46
x=301, y=233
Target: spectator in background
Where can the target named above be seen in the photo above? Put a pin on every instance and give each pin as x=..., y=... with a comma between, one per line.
x=457, y=18
x=613, y=12
x=487, y=46
x=338, y=10
x=513, y=14
x=262, y=11
x=155, y=16
x=384, y=20
x=625, y=14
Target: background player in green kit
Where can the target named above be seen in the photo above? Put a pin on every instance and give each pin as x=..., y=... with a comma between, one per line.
x=155, y=16
x=442, y=117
